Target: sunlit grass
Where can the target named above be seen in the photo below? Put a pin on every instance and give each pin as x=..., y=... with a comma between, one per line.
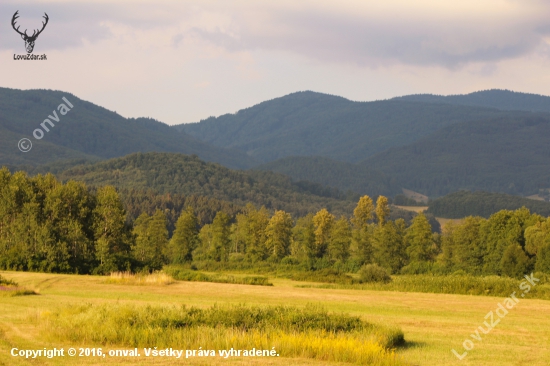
x=309, y=332
x=433, y=324
x=152, y=279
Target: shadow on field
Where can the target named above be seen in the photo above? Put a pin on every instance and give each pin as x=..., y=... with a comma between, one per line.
x=411, y=344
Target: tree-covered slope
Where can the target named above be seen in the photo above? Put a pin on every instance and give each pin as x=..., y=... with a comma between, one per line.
x=463, y=203
x=41, y=153
x=341, y=175
x=495, y=98
x=188, y=175
x=88, y=130
x=314, y=124
x=509, y=155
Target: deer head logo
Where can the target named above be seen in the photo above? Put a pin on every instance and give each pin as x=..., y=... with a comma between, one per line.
x=29, y=40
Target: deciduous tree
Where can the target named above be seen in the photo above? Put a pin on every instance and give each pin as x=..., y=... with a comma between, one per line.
x=185, y=238
x=279, y=235
x=323, y=222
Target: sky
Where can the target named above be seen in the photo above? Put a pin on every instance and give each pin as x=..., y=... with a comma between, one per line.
x=183, y=61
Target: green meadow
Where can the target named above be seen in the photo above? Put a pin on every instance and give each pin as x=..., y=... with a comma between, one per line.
x=305, y=324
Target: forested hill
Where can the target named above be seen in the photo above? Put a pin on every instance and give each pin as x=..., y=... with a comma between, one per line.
x=309, y=124
x=341, y=175
x=463, y=203
x=509, y=155
x=188, y=175
x=495, y=98
x=88, y=131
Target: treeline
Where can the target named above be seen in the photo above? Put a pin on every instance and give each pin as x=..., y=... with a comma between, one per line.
x=510, y=243
x=49, y=226
x=464, y=203
x=316, y=241
x=137, y=202
x=53, y=227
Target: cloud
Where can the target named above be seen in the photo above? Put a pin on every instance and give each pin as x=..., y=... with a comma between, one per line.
x=76, y=24
x=413, y=33
x=449, y=34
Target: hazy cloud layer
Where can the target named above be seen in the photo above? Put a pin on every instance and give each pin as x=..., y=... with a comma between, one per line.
x=74, y=24
x=415, y=33
x=364, y=33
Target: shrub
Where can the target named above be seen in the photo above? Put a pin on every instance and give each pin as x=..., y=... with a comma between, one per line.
x=309, y=332
x=182, y=274
x=327, y=275
x=373, y=273
x=11, y=288
x=292, y=261
x=16, y=291
x=236, y=257
x=416, y=268
x=5, y=282
x=543, y=278
x=128, y=278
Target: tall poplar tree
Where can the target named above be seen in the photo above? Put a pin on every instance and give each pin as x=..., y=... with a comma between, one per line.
x=323, y=221
x=340, y=240
x=467, y=246
x=279, y=235
x=110, y=232
x=220, y=231
x=419, y=239
x=185, y=238
x=303, y=233
x=389, y=246
x=249, y=232
x=382, y=210
x=142, y=250
x=158, y=237
x=362, y=233
x=362, y=213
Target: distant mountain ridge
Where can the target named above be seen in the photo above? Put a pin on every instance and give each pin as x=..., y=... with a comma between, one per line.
x=488, y=140
x=486, y=153
x=506, y=154
x=493, y=98
x=315, y=124
x=90, y=131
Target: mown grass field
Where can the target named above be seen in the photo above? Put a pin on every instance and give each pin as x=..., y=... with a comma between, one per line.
x=442, y=221
x=414, y=208
x=433, y=324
